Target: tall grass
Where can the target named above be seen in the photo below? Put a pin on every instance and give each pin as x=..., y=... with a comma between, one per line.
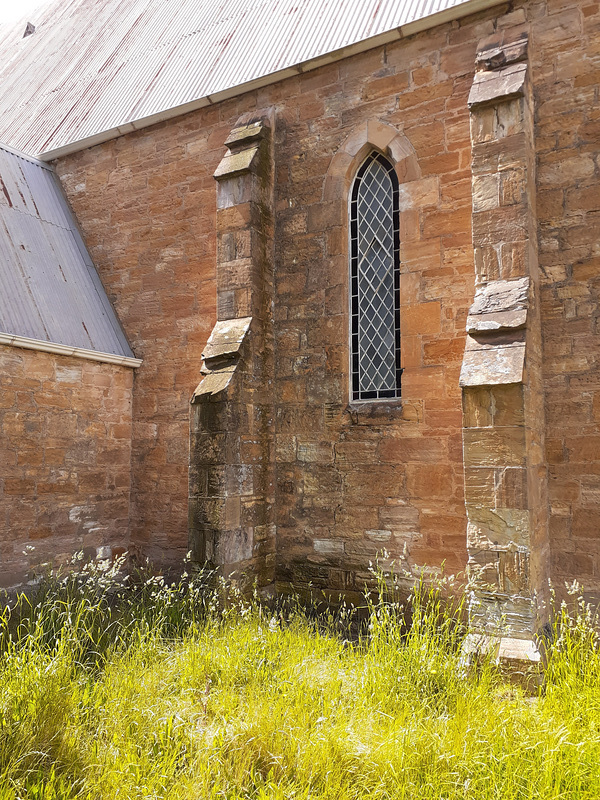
x=154, y=691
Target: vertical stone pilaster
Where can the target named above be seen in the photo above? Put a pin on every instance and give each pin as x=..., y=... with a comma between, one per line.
x=503, y=413
x=231, y=424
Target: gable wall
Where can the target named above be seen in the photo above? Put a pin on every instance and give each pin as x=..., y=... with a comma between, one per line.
x=349, y=481
x=65, y=451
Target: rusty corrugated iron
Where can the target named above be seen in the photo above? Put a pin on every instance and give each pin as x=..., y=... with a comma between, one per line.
x=49, y=288
x=98, y=65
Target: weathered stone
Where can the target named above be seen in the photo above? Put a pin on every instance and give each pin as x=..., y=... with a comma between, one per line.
x=480, y=486
x=486, y=192
x=498, y=85
x=499, y=305
x=489, y=366
x=226, y=338
x=244, y=134
x=507, y=531
x=65, y=460
x=236, y=163
x=213, y=384
x=379, y=535
x=232, y=525
x=232, y=547
x=498, y=529
x=495, y=55
x=494, y=447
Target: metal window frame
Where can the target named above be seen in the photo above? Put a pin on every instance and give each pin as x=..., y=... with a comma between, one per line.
x=356, y=394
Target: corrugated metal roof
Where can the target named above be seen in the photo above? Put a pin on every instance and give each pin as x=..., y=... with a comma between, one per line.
x=49, y=288
x=96, y=65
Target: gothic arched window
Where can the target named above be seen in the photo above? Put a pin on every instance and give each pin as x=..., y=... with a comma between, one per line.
x=375, y=281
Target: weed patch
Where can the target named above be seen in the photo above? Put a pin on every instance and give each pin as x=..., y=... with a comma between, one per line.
x=111, y=690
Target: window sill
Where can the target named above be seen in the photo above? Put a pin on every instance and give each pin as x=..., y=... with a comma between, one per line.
x=365, y=412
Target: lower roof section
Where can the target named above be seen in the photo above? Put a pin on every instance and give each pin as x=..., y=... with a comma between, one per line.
x=50, y=291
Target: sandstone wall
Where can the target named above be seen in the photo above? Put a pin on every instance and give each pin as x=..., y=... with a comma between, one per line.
x=65, y=450
x=353, y=480
x=566, y=70
x=146, y=204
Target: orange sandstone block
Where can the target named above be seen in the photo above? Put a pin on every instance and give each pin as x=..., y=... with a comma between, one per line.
x=421, y=319
x=427, y=481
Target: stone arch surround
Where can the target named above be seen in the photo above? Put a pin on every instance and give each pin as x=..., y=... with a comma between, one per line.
x=418, y=196
x=377, y=135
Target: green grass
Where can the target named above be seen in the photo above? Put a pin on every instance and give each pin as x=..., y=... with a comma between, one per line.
x=169, y=692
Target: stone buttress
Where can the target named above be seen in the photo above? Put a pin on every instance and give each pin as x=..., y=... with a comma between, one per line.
x=231, y=422
x=503, y=411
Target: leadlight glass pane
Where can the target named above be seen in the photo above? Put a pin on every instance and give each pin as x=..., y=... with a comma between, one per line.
x=375, y=303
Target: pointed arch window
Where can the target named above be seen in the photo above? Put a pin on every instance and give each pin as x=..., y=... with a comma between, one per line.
x=375, y=281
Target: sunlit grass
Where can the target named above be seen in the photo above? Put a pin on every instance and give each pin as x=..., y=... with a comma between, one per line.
x=169, y=692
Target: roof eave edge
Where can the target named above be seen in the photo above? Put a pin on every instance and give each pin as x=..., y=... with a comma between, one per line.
x=13, y=340
x=25, y=156
x=439, y=18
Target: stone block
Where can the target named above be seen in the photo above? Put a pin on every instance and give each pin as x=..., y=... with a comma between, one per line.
x=226, y=338
x=425, y=384
x=495, y=86
x=486, y=192
x=329, y=546
x=514, y=574
x=234, y=245
x=511, y=488
x=232, y=547
x=380, y=134
x=403, y=520
x=243, y=135
x=513, y=186
x=500, y=225
x=494, y=54
x=235, y=189
x=583, y=448
x=429, y=481
x=419, y=193
x=494, y=447
x=498, y=529
x=491, y=366
x=236, y=163
x=384, y=87
x=480, y=486
x=483, y=125
x=442, y=351
x=319, y=452
x=478, y=410
x=508, y=405
x=499, y=305
x=379, y=535
x=213, y=384
x=586, y=523
x=411, y=351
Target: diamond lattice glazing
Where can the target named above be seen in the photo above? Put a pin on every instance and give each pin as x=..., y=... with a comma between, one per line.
x=374, y=301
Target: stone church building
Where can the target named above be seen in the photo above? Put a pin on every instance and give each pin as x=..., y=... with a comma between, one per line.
x=294, y=283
